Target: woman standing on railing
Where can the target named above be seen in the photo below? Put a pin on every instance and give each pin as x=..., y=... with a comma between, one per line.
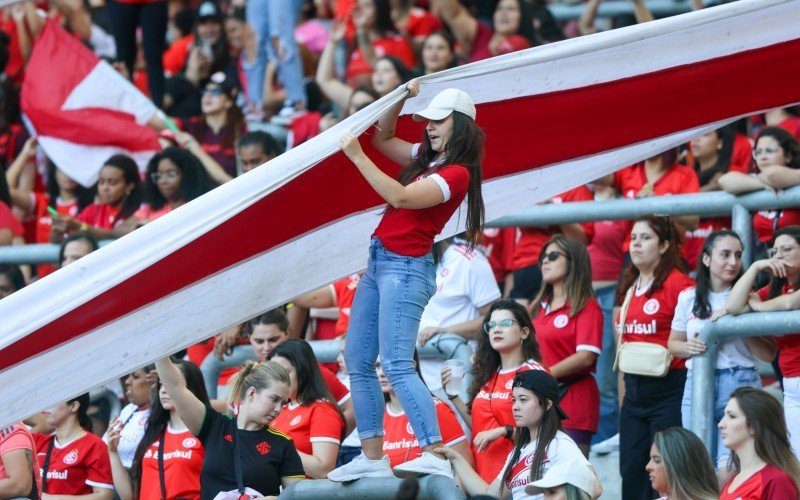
x=506, y=348
x=719, y=267
x=569, y=328
x=755, y=431
x=780, y=295
x=653, y=380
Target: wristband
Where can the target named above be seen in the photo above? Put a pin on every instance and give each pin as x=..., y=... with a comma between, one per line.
x=84, y=227
x=454, y=396
x=509, y=431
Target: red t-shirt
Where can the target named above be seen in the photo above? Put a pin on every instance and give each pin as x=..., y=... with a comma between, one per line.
x=560, y=337
x=17, y=437
x=339, y=391
x=9, y=221
x=421, y=23
x=77, y=467
x=498, y=245
x=491, y=408
x=792, y=125
x=183, y=461
x=399, y=441
x=605, y=250
x=742, y=157
x=344, y=292
x=531, y=240
x=770, y=483
x=12, y=139
x=411, y=232
x=764, y=222
x=480, y=44
x=307, y=424
x=175, y=56
x=788, y=345
x=649, y=319
x=100, y=215
x=391, y=45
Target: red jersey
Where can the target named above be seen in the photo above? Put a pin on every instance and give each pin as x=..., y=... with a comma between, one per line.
x=12, y=139
x=764, y=222
x=491, y=408
x=792, y=125
x=742, y=157
x=421, y=23
x=560, y=337
x=399, y=441
x=410, y=232
x=531, y=240
x=100, y=215
x=605, y=251
x=649, y=319
x=391, y=45
x=18, y=437
x=309, y=424
x=9, y=221
x=498, y=245
x=175, y=56
x=788, y=345
x=344, y=291
x=770, y=483
x=75, y=468
x=183, y=461
x=339, y=391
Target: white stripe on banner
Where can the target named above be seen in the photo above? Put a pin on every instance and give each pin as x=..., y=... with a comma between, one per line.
x=339, y=248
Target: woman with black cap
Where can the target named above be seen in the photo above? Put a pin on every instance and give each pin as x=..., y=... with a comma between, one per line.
x=540, y=442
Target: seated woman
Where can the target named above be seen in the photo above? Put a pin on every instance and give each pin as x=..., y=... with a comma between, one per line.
x=539, y=444
x=311, y=418
x=174, y=177
x=74, y=462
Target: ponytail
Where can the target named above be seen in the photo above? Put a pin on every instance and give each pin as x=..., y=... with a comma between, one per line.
x=257, y=375
x=84, y=420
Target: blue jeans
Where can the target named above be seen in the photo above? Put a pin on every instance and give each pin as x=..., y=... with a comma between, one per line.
x=275, y=19
x=725, y=382
x=212, y=367
x=605, y=375
x=385, y=319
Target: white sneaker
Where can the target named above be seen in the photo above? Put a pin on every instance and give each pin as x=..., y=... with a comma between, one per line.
x=425, y=464
x=359, y=467
x=608, y=446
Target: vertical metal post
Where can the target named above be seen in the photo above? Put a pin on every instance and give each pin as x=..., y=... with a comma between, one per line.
x=742, y=223
x=703, y=390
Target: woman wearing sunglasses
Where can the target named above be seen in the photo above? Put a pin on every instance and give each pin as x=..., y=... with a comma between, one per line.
x=174, y=177
x=506, y=348
x=569, y=328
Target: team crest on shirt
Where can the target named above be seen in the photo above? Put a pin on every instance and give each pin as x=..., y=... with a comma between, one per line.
x=409, y=429
x=263, y=447
x=444, y=272
x=228, y=437
x=561, y=321
x=651, y=306
x=528, y=460
x=189, y=443
x=509, y=384
x=296, y=420
x=71, y=457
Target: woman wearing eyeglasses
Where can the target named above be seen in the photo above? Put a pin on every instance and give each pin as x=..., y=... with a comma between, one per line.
x=648, y=294
x=174, y=177
x=506, y=348
x=777, y=156
x=779, y=295
x=569, y=328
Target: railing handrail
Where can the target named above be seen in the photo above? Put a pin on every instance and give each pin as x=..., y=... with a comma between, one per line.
x=659, y=8
x=703, y=366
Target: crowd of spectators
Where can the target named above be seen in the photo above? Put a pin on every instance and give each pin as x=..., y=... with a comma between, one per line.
x=540, y=313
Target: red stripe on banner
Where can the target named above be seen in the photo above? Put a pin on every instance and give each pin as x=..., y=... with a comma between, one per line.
x=523, y=134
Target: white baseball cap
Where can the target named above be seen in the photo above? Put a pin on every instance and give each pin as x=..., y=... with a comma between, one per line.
x=443, y=105
x=578, y=474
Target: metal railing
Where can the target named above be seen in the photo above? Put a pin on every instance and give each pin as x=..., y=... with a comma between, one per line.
x=703, y=366
x=659, y=8
x=433, y=487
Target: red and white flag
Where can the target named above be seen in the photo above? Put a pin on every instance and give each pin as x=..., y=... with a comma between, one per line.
x=555, y=116
x=82, y=109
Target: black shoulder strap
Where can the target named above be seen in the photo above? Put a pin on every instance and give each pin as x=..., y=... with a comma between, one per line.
x=162, y=481
x=237, y=462
x=46, y=465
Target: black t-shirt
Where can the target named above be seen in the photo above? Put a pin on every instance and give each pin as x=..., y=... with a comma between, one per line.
x=266, y=456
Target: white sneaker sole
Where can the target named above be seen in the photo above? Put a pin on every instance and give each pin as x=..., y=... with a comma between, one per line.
x=353, y=477
x=406, y=473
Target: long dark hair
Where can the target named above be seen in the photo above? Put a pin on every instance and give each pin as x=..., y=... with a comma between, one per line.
x=84, y=420
x=130, y=173
x=726, y=136
x=5, y=193
x=702, y=307
x=13, y=273
x=487, y=360
x=577, y=281
x=384, y=25
x=688, y=467
x=766, y=419
x=232, y=128
x=525, y=27
x=159, y=417
x=787, y=142
x=194, y=179
x=776, y=284
x=451, y=44
x=310, y=384
x=465, y=147
x=79, y=236
x=671, y=259
x=84, y=195
x=403, y=72
x=549, y=426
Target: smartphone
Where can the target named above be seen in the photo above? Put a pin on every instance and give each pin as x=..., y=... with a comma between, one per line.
x=53, y=212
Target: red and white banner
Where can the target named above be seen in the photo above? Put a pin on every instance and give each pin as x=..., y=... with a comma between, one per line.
x=82, y=109
x=555, y=116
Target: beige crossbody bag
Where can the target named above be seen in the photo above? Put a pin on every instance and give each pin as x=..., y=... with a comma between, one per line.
x=646, y=359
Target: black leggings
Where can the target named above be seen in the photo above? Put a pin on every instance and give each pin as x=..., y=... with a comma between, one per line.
x=124, y=18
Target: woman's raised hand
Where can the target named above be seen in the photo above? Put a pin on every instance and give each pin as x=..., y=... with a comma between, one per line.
x=413, y=88
x=350, y=145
